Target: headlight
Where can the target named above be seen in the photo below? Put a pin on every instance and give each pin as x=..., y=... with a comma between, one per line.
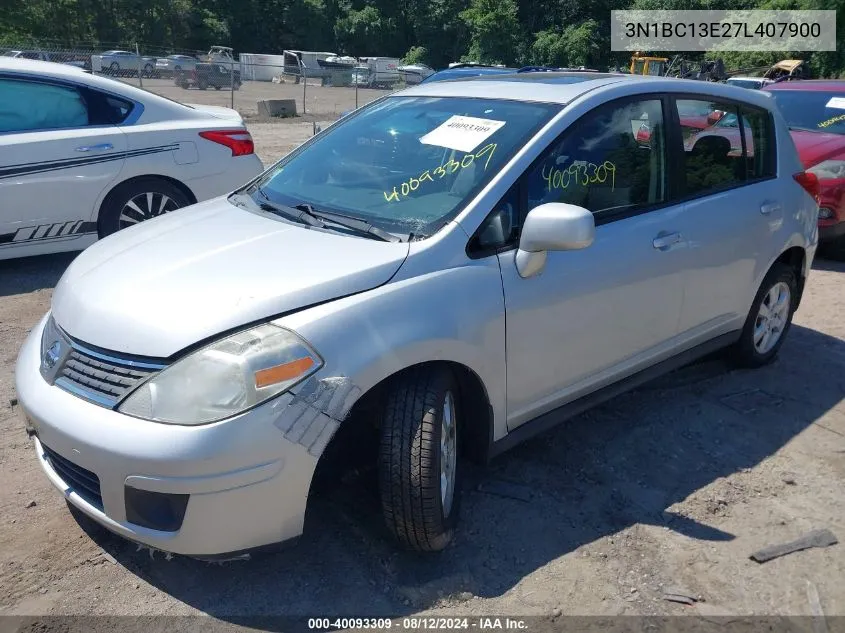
x=828, y=169
x=225, y=378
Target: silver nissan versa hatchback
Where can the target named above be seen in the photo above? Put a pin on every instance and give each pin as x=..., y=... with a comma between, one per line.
x=437, y=276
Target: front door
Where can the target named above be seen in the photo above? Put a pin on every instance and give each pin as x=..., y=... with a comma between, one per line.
x=591, y=316
x=54, y=164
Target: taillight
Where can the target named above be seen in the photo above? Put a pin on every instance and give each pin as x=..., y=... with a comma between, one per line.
x=239, y=141
x=809, y=181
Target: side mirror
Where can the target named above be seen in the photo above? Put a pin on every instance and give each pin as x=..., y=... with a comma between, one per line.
x=715, y=116
x=552, y=227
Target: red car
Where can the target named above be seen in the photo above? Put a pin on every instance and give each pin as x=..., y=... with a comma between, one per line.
x=815, y=113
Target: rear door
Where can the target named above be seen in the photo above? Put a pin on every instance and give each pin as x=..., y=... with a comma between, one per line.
x=732, y=209
x=57, y=156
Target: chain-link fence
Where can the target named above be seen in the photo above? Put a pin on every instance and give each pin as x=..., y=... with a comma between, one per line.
x=295, y=83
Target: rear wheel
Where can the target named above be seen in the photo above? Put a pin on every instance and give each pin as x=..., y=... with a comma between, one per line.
x=148, y=71
x=137, y=201
x=418, y=461
x=114, y=69
x=769, y=319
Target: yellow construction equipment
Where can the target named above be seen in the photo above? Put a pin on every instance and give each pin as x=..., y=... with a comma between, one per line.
x=642, y=64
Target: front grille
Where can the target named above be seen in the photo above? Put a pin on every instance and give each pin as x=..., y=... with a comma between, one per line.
x=102, y=378
x=83, y=482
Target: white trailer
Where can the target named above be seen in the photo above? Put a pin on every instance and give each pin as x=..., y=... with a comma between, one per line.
x=377, y=72
x=307, y=64
x=258, y=67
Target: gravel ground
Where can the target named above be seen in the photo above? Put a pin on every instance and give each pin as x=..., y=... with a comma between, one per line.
x=318, y=100
x=668, y=487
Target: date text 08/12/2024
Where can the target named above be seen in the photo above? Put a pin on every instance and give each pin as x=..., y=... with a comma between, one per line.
x=419, y=623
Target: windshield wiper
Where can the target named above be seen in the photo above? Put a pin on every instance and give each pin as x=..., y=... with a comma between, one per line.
x=359, y=226
x=803, y=129
x=289, y=213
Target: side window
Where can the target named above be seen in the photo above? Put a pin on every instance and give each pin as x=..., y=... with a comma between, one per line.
x=759, y=143
x=31, y=106
x=104, y=109
x=611, y=160
x=713, y=148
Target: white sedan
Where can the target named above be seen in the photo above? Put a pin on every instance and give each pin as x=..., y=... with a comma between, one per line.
x=83, y=156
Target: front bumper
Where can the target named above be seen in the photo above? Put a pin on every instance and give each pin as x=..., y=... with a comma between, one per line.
x=247, y=485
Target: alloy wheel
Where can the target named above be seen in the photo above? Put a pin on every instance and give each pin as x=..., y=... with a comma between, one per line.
x=772, y=317
x=145, y=206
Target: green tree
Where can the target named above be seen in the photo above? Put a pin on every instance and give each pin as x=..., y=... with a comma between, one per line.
x=416, y=55
x=494, y=29
x=576, y=45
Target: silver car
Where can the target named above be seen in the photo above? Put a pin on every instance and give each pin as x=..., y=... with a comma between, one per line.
x=123, y=64
x=170, y=65
x=435, y=277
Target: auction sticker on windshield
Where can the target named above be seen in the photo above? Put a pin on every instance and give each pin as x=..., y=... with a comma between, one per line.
x=462, y=133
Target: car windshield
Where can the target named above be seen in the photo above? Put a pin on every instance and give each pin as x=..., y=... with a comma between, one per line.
x=815, y=111
x=405, y=164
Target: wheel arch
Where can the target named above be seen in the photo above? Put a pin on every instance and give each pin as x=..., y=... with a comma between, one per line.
x=796, y=258
x=129, y=181
x=355, y=444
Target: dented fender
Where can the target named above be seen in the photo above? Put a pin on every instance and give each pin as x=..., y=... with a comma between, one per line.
x=456, y=314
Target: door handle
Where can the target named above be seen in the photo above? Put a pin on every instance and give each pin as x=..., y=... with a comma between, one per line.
x=769, y=208
x=664, y=241
x=102, y=147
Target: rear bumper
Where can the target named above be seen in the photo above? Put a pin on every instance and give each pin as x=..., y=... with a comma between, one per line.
x=239, y=171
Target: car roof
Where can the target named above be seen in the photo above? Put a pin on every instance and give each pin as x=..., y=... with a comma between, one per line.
x=815, y=85
x=49, y=69
x=462, y=72
x=565, y=87
x=29, y=68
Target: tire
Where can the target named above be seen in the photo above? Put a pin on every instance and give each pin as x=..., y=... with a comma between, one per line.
x=148, y=71
x=114, y=69
x=237, y=85
x=217, y=87
x=415, y=507
x=114, y=214
x=779, y=290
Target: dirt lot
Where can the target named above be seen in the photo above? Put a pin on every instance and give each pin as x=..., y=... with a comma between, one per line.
x=319, y=101
x=671, y=486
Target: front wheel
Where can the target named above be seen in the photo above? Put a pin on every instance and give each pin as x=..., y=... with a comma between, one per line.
x=769, y=319
x=418, y=459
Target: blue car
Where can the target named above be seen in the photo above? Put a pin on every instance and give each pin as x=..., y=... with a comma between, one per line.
x=465, y=71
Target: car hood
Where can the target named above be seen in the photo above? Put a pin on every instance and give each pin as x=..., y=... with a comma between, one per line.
x=814, y=147
x=168, y=283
